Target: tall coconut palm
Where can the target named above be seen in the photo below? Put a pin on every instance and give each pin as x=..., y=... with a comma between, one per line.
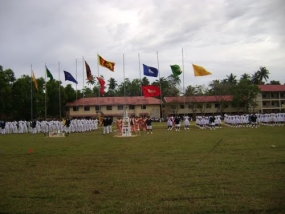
x=92, y=81
x=263, y=74
x=232, y=79
x=245, y=76
x=112, y=84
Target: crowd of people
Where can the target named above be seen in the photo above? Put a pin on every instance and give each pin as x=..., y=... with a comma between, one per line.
x=138, y=124
x=43, y=126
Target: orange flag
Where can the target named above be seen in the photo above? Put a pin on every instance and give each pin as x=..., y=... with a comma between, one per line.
x=200, y=71
x=35, y=81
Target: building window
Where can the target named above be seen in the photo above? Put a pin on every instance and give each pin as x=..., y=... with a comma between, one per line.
x=75, y=108
x=132, y=107
x=208, y=105
x=109, y=108
x=226, y=105
x=97, y=108
x=143, y=106
x=217, y=105
x=182, y=107
x=86, y=108
x=120, y=107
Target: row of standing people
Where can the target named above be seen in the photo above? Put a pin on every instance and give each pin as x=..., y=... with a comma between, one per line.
x=36, y=126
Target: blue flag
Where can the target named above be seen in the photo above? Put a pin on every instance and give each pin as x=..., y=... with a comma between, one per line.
x=69, y=77
x=150, y=71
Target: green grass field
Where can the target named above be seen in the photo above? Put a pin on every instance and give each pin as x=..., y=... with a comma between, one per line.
x=229, y=170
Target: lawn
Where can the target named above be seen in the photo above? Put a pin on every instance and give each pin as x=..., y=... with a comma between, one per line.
x=228, y=170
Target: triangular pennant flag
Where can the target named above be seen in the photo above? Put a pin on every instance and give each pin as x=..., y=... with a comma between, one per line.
x=200, y=71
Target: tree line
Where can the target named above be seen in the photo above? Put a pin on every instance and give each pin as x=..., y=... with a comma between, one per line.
x=20, y=100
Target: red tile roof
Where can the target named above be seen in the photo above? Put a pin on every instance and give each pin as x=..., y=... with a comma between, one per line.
x=272, y=88
x=92, y=101
x=198, y=99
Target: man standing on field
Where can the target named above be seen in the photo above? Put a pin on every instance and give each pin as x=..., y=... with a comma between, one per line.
x=148, y=125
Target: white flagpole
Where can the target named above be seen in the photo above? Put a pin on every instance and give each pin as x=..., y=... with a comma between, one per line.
x=140, y=71
x=83, y=76
x=59, y=99
x=124, y=75
x=45, y=92
x=31, y=92
x=76, y=78
x=159, y=85
x=99, y=95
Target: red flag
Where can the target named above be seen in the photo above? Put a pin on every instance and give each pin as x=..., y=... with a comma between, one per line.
x=151, y=91
x=102, y=84
x=88, y=72
x=106, y=64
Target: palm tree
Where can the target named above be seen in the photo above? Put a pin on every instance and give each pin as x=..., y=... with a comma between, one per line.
x=112, y=84
x=92, y=81
x=255, y=78
x=263, y=74
x=232, y=79
x=245, y=76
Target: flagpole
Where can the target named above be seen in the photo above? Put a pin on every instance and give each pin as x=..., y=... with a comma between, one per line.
x=83, y=76
x=98, y=76
x=124, y=75
x=183, y=89
x=140, y=71
x=76, y=78
x=159, y=85
x=59, y=100
x=45, y=93
x=31, y=92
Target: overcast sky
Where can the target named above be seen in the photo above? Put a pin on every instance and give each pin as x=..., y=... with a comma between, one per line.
x=223, y=36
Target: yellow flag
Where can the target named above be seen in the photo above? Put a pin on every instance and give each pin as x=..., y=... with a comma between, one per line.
x=200, y=71
x=35, y=81
x=63, y=121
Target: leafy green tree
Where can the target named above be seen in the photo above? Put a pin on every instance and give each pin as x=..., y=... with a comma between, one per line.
x=70, y=93
x=88, y=92
x=145, y=81
x=244, y=96
x=21, y=98
x=274, y=82
x=112, y=85
x=7, y=78
x=56, y=99
x=191, y=91
x=165, y=87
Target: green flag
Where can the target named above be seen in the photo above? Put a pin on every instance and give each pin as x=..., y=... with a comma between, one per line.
x=176, y=70
x=49, y=74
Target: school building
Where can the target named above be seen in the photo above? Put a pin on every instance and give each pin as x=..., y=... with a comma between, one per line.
x=270, y=99
x=113, y=107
